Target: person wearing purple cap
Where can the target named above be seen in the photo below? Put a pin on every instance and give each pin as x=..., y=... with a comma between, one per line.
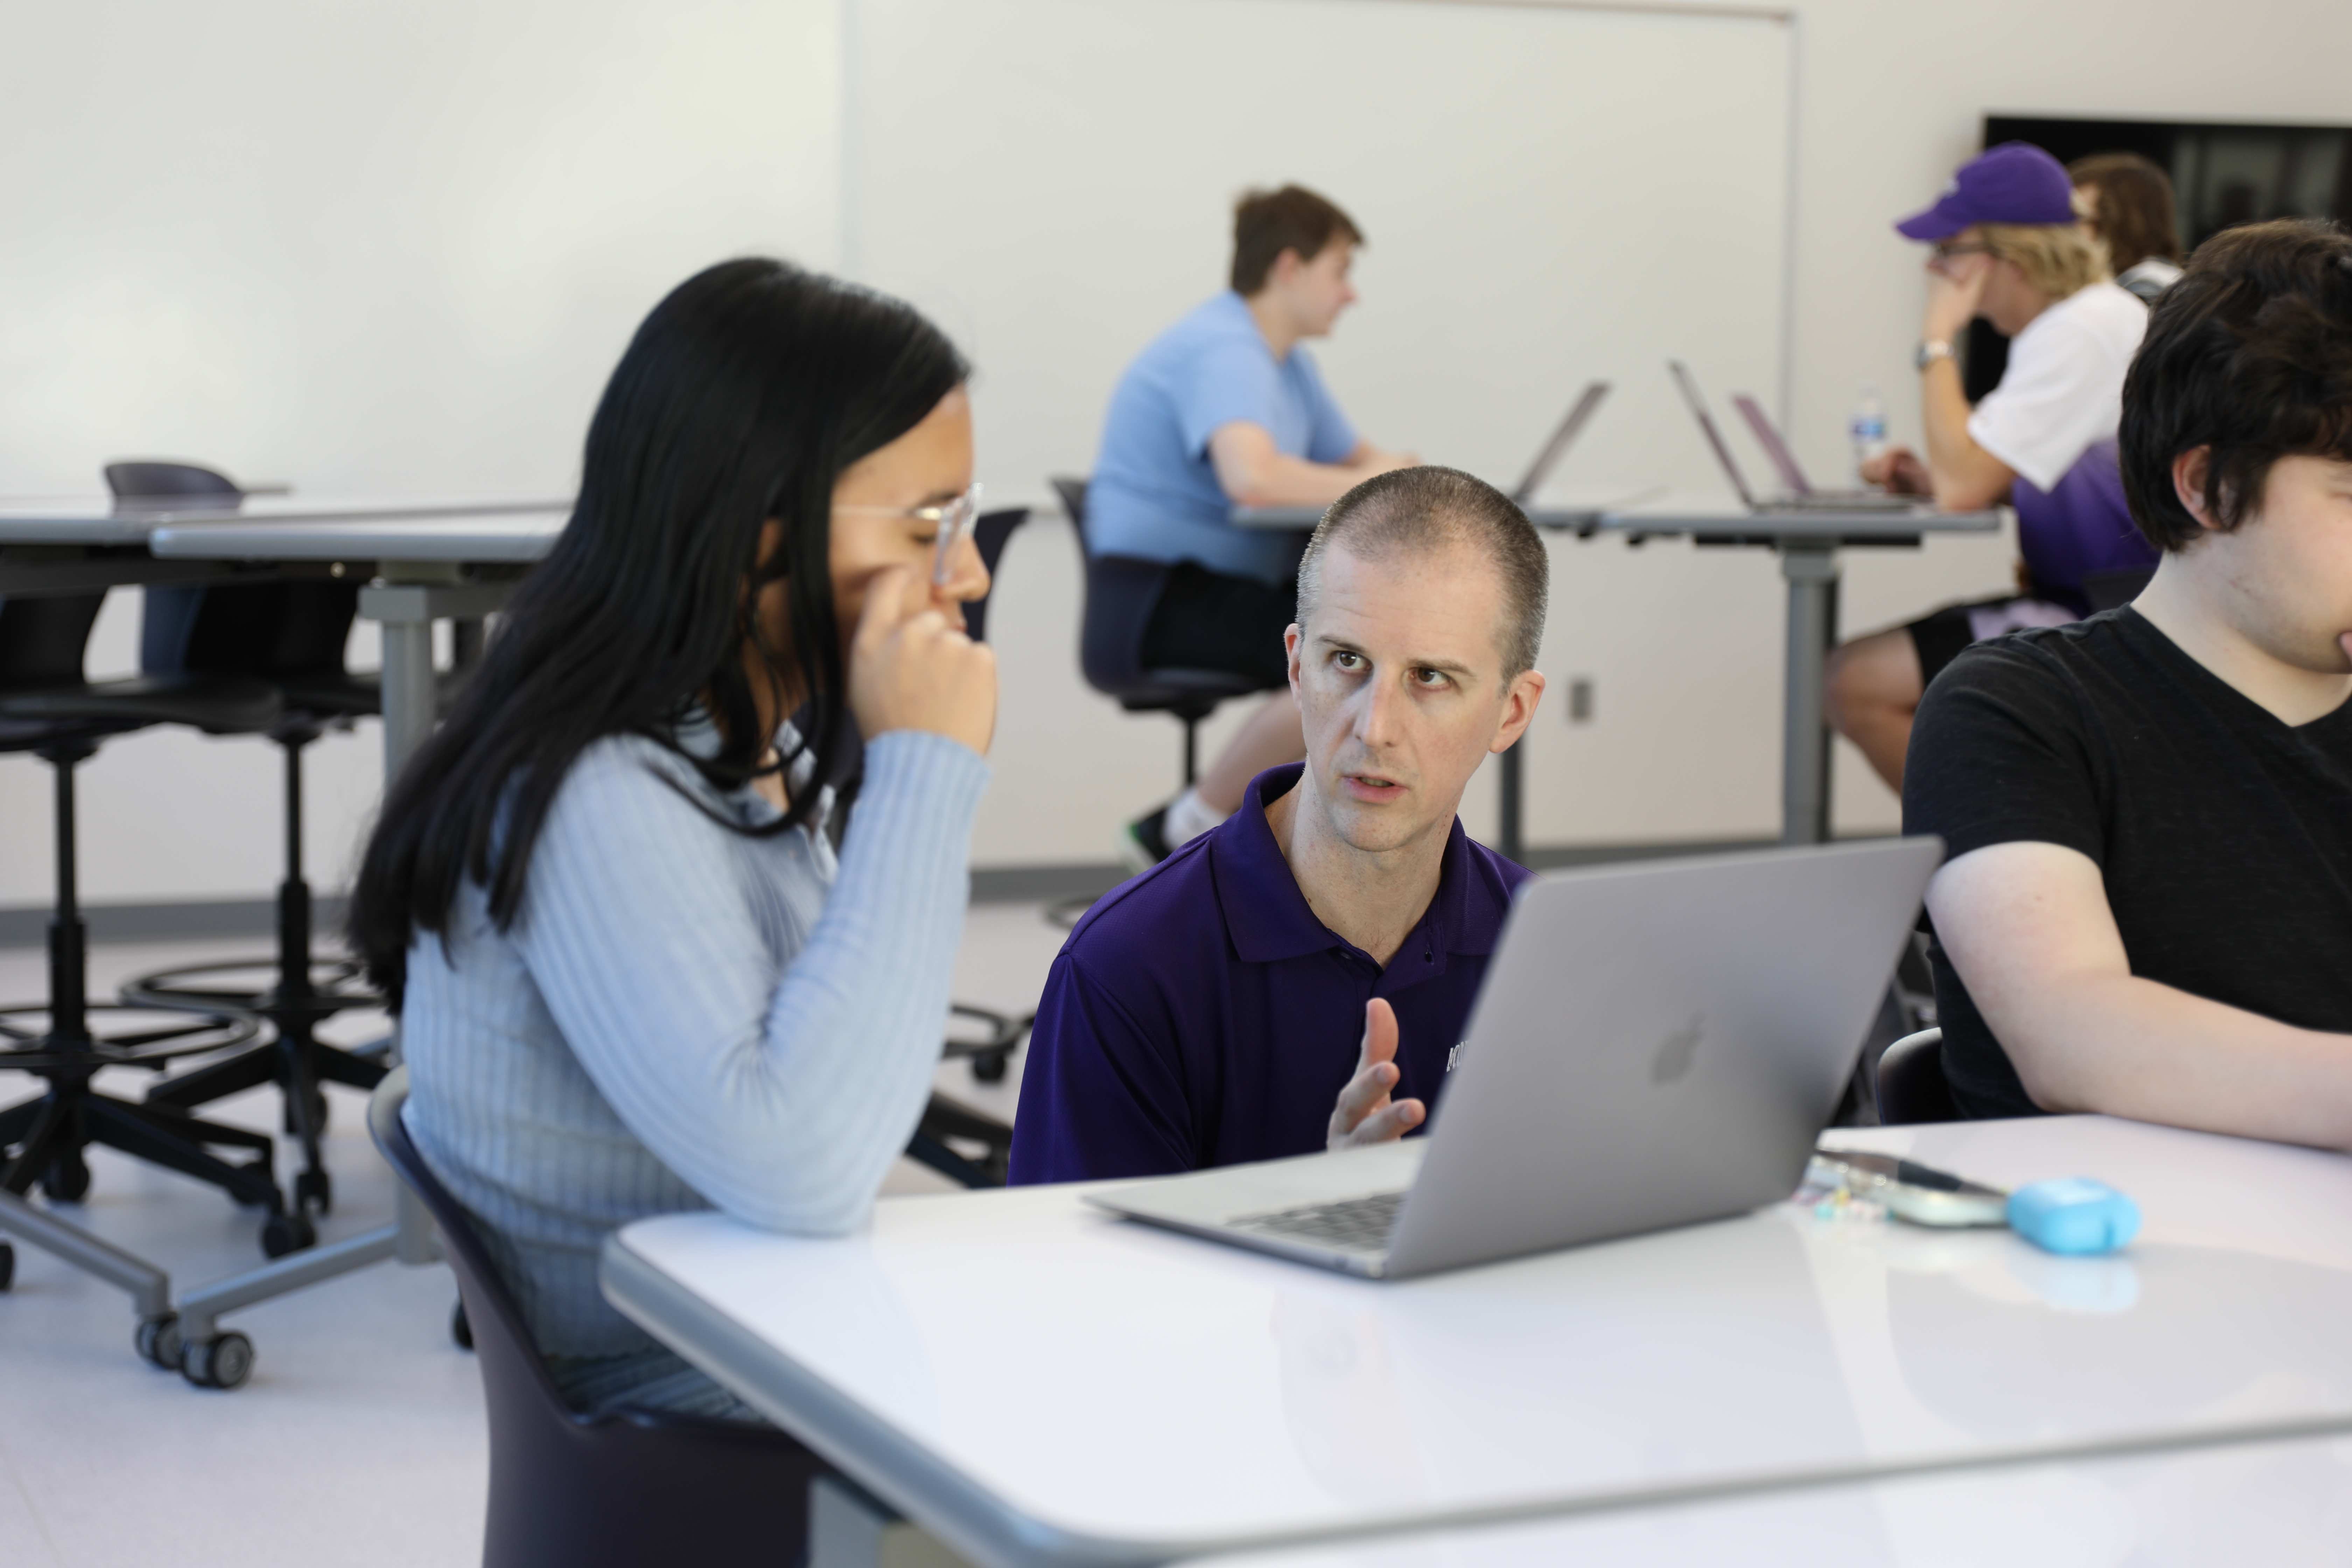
x=2006, y=244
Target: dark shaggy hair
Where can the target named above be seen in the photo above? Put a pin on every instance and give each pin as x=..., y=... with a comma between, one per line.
x=1429, y=509
x=741, y=399
x=2136, y=217
x=1268, y=223
x=2248, y=355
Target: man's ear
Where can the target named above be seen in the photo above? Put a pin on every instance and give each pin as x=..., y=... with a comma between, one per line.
x=1519, y=702
x=1293, y=639
x=2191, y=470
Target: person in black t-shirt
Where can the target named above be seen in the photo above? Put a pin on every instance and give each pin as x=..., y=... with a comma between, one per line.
x=2146, y=909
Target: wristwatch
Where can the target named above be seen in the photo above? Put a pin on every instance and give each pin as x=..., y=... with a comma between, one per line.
x=1929, y=353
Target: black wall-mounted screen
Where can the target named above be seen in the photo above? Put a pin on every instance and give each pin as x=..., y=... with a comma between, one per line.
x=2222, y=176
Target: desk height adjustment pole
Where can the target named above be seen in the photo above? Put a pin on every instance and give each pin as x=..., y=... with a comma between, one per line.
x=1812, y=571
x=1511, y=838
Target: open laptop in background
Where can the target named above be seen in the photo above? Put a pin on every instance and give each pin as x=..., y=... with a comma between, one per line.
x=1563, y=436
x=1805, y=498
x=1656, y=1045
x=1784, y=462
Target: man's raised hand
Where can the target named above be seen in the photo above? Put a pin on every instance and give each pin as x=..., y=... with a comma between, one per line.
x=1364, y=1113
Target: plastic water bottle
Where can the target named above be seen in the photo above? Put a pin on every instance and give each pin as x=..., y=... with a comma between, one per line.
x=1868, y=427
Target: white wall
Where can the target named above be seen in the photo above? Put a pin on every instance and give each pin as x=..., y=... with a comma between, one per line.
x=536, y=174
x=355, y=247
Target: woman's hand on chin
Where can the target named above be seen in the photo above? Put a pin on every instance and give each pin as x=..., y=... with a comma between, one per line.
x=909, y=668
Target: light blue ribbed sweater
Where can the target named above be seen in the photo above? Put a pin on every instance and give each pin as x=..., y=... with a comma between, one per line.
x=683, y=1017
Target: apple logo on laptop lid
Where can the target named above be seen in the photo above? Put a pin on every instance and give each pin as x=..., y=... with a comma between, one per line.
x=1675, y=1054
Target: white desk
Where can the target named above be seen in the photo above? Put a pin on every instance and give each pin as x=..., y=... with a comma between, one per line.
x=101, y=519
x=1807, y=543
x=1038, y=1383
x=2282, y=1504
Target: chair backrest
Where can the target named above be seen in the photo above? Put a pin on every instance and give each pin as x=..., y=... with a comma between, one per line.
x=990, y=531
x=1120, y=594
x=614, y=1490
x=264, y=630
x=1910, y=1082
x=43, y=639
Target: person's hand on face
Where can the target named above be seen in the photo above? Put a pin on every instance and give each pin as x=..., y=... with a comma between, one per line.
x=911, y=669
x=1364, y=1113
x=1956, y=287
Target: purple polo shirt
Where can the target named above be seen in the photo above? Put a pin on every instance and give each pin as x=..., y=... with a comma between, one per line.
x=1201, y=1015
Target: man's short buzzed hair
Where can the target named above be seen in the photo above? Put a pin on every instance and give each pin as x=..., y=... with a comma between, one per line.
x=1431, y=509
x=1268, y=223
x=2249, y=355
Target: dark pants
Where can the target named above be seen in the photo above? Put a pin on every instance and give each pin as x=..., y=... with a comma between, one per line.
x=1206, y=620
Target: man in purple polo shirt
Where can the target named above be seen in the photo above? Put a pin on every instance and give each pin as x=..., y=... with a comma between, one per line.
x=1301, y=977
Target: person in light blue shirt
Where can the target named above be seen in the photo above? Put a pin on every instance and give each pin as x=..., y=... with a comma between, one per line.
x=1226, y=408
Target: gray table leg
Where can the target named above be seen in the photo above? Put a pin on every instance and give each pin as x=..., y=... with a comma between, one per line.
x=1812, y=575
x=1511, y=839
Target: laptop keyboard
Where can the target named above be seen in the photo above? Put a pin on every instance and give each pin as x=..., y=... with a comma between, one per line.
x=1357, y=1224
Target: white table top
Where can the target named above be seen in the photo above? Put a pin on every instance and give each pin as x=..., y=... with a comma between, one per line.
x=476, y=537
x=2276, y=1503
x=1573, y=508
x=1040, y=1381
x=99, y=519
x=1738, y=523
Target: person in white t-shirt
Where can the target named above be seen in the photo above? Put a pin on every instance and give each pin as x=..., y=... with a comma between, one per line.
x=2007, y=245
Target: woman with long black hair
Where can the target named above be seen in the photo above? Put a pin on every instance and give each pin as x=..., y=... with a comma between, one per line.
x=632, y=975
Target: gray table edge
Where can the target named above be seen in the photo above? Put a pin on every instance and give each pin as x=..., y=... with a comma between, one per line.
x=368, y=541
x=936, y=1496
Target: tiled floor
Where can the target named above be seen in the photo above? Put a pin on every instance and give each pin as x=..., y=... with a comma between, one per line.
x=359, y=1440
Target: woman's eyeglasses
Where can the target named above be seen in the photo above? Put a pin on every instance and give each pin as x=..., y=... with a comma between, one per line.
x=1946, y=250
x=953, y=519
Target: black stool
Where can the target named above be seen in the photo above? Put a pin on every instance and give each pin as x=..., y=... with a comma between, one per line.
x=48, y=708
x=1121, y=592
x=288, y=634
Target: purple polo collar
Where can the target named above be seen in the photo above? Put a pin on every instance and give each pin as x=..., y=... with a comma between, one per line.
x=1269, y=919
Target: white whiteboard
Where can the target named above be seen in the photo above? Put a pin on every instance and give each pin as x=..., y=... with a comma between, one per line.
x=1550, y=194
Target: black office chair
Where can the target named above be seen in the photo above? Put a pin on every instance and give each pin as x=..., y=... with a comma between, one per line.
x=614, y=1489
x=47, y=708
x=290, y=634
x=1121, y=592
x=1911, y=1086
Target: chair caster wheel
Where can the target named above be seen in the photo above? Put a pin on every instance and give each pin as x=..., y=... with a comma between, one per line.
x=990, y=1069
x=222, y=1363
x=7, y=1266
x=315, y=1191
x=290, y=1231
x=66, y=1180
x=159, y=1342
x=461, y=1331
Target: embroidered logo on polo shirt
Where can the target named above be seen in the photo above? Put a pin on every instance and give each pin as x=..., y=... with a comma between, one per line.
x=1455, y=1054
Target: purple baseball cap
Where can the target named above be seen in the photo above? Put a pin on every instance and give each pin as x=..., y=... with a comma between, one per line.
x=2013, y=183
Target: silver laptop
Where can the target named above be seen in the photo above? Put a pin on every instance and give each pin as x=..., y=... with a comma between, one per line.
x=1784, y=462
x=1563, y=436
x=1654, y=1044
x=1805, y=497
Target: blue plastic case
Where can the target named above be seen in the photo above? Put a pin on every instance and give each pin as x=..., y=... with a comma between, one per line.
x=2073, y=1215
